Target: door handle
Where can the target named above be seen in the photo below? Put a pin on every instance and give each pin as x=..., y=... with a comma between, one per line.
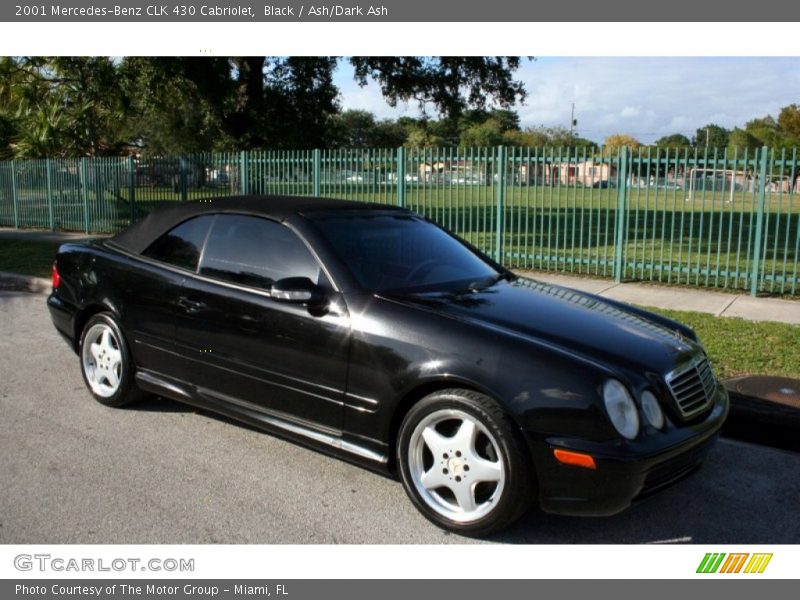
x=191, y=306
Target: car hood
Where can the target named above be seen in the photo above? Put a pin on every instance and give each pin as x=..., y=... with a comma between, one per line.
x=606, y=331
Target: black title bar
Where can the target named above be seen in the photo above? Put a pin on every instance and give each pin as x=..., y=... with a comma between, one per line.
x=399, y=10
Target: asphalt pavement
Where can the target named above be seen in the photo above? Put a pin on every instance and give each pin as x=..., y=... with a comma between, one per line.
x=74, y=471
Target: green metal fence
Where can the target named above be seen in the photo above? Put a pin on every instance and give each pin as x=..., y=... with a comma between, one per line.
x=710, y=219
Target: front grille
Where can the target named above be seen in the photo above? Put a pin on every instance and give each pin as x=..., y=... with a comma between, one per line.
x=692, y=386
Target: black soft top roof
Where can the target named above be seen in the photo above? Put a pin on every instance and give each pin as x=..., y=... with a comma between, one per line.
x=139, y=236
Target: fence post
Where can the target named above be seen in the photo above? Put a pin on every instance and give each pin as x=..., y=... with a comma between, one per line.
x=622, y=196
x=50, y=210
x=84, y=195
x=184, y=180
x=762, y=197
x=401, y=177
x=500, y=202
x=14, y=193
x=317, y=172
x=132, y=187
x=243, y=175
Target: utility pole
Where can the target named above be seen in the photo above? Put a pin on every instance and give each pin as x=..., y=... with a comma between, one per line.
x=708, y=137
x=572, y=122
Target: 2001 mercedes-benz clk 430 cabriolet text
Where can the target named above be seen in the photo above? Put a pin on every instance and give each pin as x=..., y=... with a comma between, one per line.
x=374, y=334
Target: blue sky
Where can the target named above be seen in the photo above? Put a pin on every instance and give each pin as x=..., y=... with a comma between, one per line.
x=644, y=97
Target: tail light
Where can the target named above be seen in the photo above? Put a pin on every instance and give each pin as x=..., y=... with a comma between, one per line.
x=56, y=277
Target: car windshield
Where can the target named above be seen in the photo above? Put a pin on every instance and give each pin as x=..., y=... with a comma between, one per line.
x=404, y=253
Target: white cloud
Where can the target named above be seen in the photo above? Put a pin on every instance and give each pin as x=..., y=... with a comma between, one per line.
x=645, y=97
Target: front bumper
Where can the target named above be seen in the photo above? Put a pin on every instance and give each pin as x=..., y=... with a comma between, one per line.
x=626, y=471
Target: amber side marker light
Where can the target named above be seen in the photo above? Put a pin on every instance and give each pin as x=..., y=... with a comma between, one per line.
x=577, y=459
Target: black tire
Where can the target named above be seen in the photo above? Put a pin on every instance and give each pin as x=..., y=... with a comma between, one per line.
x=519, y=479
x=127, y=391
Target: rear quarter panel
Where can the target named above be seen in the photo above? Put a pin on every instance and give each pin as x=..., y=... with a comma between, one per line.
x=142, y=297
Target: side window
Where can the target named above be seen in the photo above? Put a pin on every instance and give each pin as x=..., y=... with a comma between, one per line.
x=181, y=246
x=256, y=252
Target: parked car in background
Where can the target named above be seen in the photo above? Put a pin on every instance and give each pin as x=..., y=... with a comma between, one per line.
x=372, y=333
x=604, y=184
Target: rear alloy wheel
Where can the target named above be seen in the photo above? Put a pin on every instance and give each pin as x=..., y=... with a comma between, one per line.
x=462, y=464
x=105, y=362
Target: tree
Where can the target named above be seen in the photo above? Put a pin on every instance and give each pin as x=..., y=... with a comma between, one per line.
x=42, y=132
x=507, y=120
x=352, y=129
x=61, y=106
x=421, y=136
x=274, y=102
x=487, y=128
x=675, y=140
x=579, y=142
x=10, y=89
x=389, y=134
x=741, y=140
x=766, y=132
x=711, y=136
x=619, y=140
x=488, y=133
x=190, y=104
x=360, y=129
x=560, y=136
x=7, y=133
x=789, y=123
x=167, y=114
x=530, y=137
x=242, y=102
x=450, y=84
x=557, y=137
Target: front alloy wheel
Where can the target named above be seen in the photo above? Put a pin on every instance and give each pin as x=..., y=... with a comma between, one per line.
x=460, y=476
x=462, y=463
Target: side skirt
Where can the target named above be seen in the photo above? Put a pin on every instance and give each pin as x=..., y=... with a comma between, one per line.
x=329, y=441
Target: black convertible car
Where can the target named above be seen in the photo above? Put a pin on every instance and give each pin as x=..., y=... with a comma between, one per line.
x=372, y=333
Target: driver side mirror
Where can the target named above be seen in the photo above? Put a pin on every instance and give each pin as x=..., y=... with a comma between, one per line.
x=297, y=290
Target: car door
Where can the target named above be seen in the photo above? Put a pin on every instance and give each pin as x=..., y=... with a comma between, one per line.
x=151, y=287
x=242, y=347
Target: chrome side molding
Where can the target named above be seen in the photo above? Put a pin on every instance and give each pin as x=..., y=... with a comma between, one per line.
x=151, y=381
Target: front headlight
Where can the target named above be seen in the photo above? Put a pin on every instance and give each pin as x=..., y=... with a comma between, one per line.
x=621, y=409
x=652, y=410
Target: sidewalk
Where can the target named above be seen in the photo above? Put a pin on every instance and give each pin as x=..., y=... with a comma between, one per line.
x=720, y=304
x=43, y=235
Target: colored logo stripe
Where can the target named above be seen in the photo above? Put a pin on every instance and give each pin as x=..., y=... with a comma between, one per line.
x=734, y=563
x=712, y=562
x=758, y=563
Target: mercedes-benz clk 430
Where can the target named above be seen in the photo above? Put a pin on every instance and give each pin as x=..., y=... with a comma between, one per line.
x=370, y=332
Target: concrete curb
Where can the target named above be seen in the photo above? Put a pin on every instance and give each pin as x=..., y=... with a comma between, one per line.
x=14, y=282
x=762, y=420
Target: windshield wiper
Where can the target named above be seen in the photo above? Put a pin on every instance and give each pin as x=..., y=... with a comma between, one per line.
x=488, y=282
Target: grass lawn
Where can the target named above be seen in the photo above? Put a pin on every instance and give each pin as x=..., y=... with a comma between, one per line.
x=26, y=257
x=741, y=347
